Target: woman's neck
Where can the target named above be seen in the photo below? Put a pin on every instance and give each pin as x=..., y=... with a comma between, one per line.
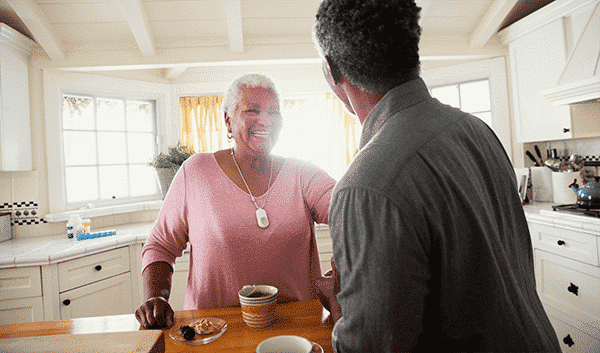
x=254, y=162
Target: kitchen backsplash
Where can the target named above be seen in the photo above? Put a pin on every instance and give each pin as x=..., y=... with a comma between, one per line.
x=19, y=195
x=588, y=148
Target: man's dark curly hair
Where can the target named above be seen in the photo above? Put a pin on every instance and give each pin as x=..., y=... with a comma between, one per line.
x=375, y=43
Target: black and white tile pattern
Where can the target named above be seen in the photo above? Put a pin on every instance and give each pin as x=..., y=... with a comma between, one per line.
x=23, y=213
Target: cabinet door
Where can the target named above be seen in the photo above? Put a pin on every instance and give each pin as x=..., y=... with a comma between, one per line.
x=571, y=287
x=537, y=61
x=573, y=340
x=18, y=311
x=111, y=296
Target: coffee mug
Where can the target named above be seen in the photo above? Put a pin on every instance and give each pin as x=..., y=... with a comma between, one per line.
x=258, y=305
x=288, y=344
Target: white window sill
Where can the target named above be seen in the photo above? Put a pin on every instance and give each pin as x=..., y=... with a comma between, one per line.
x=105, y=211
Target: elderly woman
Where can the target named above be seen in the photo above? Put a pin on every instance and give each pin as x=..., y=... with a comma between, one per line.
x=248, y=215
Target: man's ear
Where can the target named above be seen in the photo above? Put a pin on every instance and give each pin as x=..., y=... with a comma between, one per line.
x=333, y=70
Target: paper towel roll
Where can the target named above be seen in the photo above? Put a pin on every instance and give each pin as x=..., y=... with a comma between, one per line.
x=563, y=194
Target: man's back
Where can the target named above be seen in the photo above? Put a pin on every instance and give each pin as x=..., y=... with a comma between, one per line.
x=431, y=236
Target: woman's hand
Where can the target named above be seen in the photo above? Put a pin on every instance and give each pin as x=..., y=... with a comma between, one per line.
x=155, y=313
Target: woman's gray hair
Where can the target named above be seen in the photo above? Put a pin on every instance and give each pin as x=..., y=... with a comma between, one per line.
x=233, y=94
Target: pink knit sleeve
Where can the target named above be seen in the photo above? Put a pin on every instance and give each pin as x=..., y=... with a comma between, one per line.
x=169, y=236
x=317, y=187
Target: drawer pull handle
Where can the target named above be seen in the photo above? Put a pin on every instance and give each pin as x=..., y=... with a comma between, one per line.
x=66, y=302
x=568, y=341
x=573, y=289
x=561, y=242
x=98, y=268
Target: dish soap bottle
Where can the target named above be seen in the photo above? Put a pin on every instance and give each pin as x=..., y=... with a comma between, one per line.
x=72, y=224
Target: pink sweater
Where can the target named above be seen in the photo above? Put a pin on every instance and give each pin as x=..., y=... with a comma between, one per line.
x=228, y=248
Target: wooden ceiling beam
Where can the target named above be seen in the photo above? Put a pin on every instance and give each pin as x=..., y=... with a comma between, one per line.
x=138, y=22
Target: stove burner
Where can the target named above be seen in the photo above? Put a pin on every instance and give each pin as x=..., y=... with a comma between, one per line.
x=574, y=208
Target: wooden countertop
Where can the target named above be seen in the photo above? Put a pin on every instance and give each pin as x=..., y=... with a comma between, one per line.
x=301, y=318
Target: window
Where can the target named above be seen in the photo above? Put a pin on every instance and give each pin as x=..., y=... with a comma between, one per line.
x=107, y=143
x=477, y=87
x=314, y=130
x=471, y=97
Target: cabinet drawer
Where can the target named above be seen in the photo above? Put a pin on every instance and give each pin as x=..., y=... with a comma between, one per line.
x=92, y=268
x=569, y=286
x=573, y=340
x=23, y=282
x=576, y=245
x=111, y=296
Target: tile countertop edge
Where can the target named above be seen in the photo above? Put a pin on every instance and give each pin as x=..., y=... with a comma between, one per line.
x=28, y=252
x=541, y=212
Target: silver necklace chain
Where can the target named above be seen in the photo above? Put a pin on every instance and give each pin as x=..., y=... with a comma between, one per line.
x=247, y=187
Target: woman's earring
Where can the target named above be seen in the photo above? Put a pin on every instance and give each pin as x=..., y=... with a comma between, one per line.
x=229, y=136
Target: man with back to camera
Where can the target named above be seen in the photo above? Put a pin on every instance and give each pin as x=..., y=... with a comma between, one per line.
x=429, y=234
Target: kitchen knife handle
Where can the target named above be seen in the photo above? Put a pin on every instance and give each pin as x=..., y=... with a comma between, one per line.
x=530, y=155
x=537, y=151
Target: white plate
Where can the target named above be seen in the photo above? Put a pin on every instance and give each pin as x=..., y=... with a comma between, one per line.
x=175, y=332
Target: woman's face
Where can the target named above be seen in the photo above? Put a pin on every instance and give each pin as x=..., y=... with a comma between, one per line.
x=256, y=122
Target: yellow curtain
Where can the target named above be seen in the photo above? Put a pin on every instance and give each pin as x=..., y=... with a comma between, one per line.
x=350, y=124
x=202, y=128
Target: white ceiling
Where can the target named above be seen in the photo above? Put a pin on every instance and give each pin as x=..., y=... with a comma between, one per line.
x=168, y=37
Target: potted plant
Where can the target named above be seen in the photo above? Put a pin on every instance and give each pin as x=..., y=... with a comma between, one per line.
x=167, y=164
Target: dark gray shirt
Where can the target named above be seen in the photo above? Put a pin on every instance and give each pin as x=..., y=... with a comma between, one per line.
x=430, y=237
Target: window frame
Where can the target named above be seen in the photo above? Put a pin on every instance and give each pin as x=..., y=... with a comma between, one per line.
x=56, y=84
x=495, y=71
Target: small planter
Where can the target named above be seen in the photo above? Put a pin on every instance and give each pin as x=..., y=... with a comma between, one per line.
x=165, y=177
x=167, y=164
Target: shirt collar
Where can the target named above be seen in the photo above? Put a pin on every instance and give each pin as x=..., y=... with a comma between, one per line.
x=397, y=99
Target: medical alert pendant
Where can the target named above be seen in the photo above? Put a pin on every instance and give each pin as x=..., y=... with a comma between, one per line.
x=261, y=218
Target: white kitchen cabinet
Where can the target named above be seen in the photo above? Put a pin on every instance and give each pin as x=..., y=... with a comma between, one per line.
x=15, y=125
x=111, y=296
x=567, y=272
x=92, y=285
x=179, y=281
x=20, y=295
x=96, y=285
x=539, y=45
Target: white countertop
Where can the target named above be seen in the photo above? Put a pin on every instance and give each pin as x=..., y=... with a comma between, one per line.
x=36, y=251
x=541, y=212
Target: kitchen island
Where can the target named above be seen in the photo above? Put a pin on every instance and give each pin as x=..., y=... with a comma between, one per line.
x=302, y=318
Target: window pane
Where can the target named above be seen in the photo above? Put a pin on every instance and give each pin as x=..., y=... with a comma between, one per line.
x=486, y=117
x=143, y=180
x=111, y=115
x=113, y=182
x=112, y=148
x=80, y=148
x=475, y=96
x=140, y=116
x=81, y=183
x=447, y=95
x=78, y=113
x=141, y=147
